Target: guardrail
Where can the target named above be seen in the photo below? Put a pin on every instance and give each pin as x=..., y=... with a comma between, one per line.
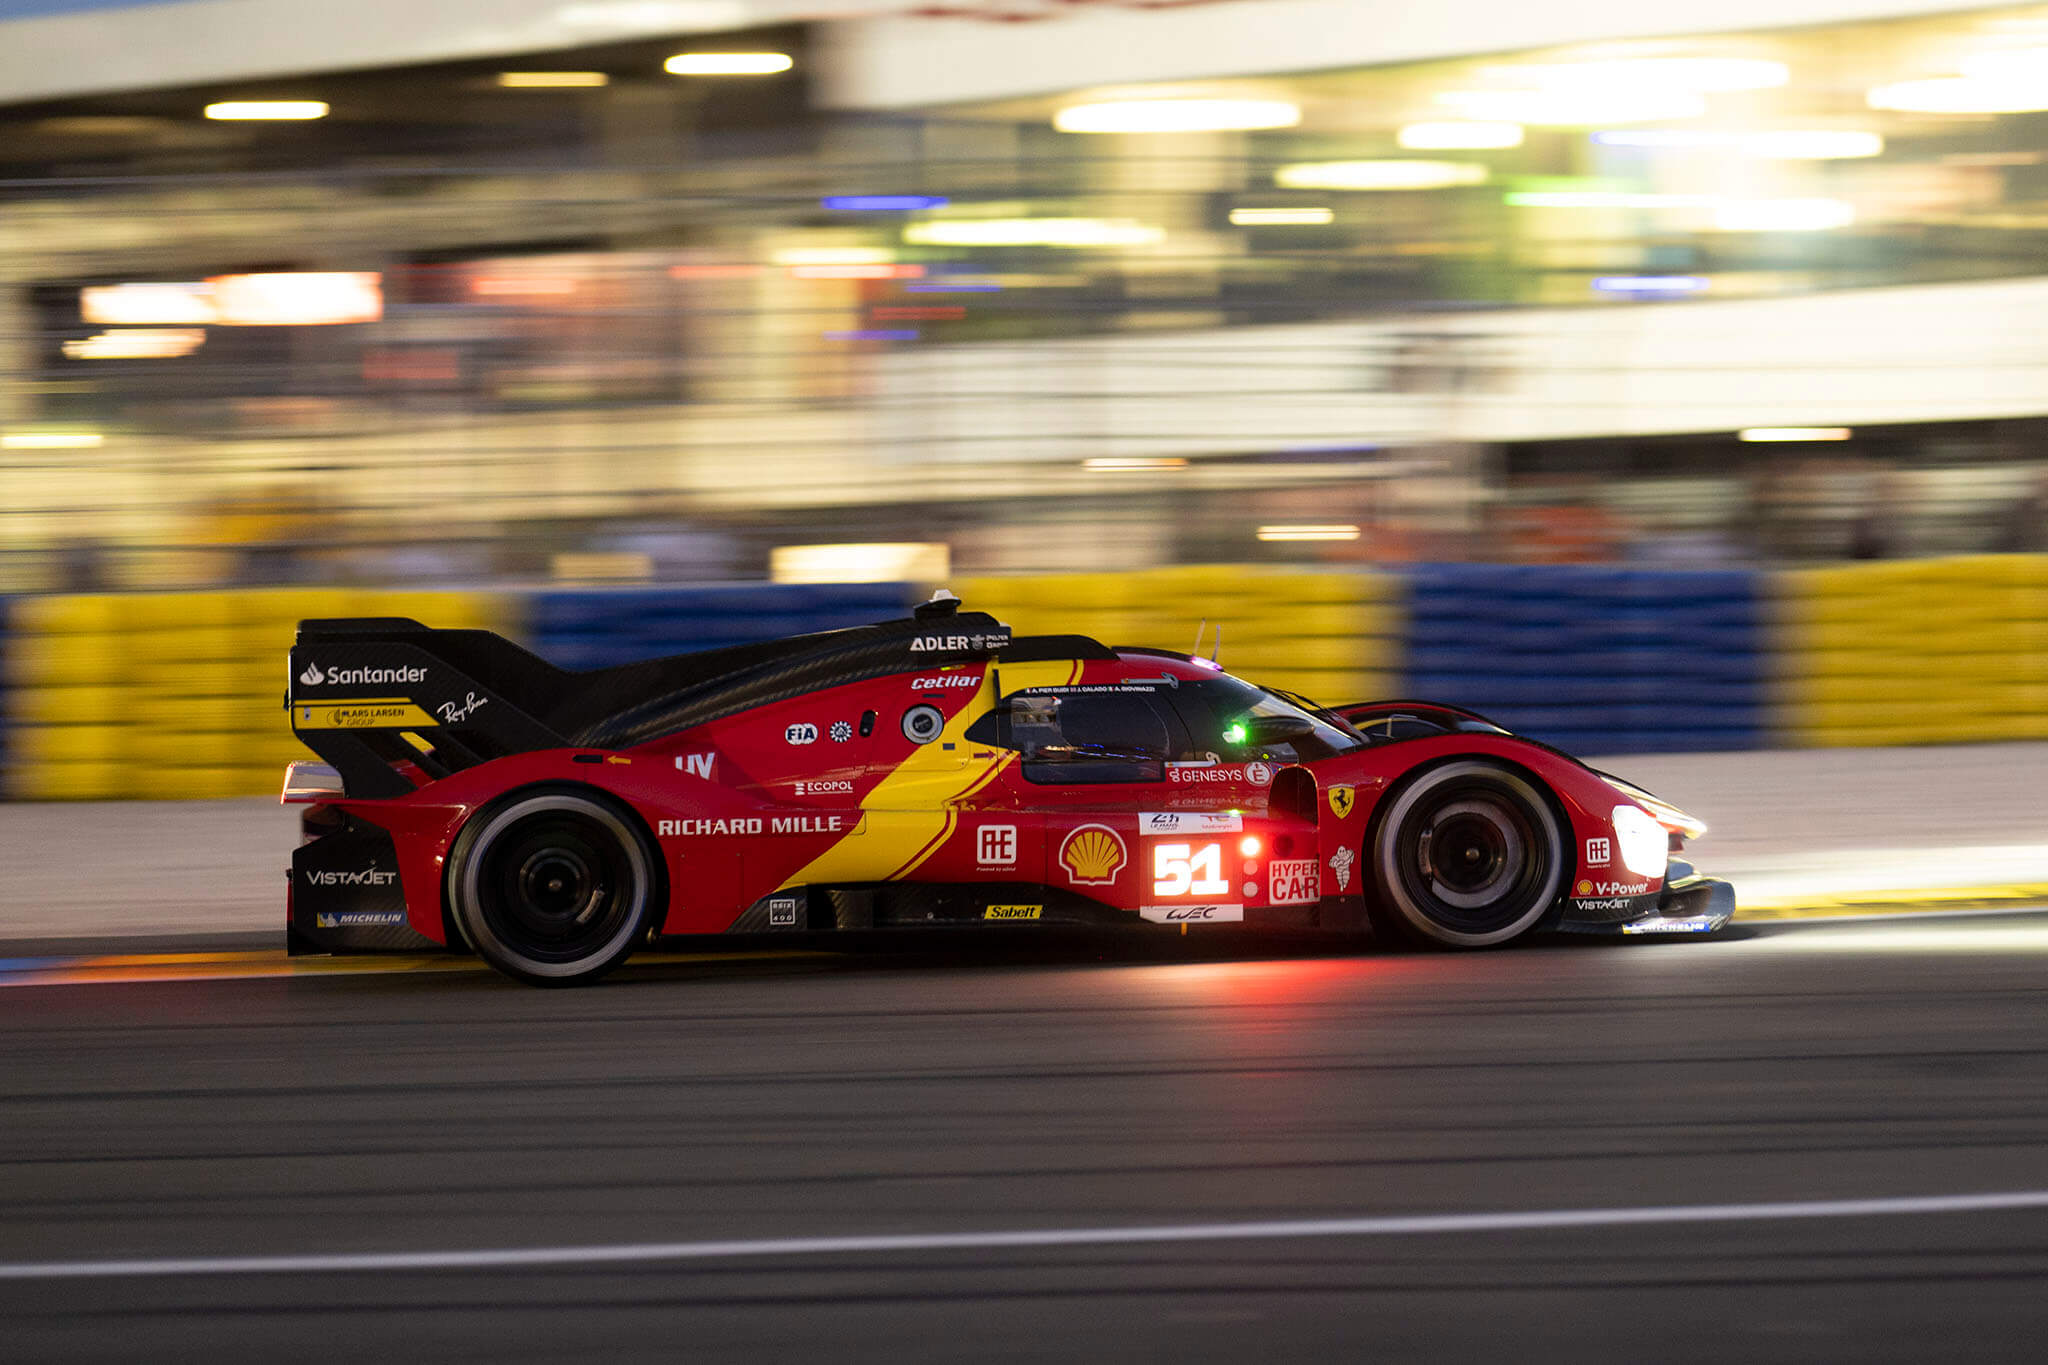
x=110, y=696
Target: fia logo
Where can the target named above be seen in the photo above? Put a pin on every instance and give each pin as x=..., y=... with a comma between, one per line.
x=696, y=765
x=801, y=734
x=1598, y=852
x=996, y=846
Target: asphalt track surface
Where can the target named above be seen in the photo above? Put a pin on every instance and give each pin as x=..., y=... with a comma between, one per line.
x=1171, y=1149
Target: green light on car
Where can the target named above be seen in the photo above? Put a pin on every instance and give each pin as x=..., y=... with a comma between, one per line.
x=1236, y=732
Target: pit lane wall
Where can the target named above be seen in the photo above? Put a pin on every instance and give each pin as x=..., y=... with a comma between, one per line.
x=179, y=694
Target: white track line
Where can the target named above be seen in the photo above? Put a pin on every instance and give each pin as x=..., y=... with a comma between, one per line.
x=1400, y=1225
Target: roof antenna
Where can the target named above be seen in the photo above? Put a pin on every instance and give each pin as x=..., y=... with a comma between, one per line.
x=1200, y=631
x=939, y=605
x=1216, y=650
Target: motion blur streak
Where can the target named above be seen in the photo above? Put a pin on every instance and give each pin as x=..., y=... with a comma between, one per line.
x=1412, y=1225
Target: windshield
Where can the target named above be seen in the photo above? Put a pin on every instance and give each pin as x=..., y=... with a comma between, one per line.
x=1225, y=709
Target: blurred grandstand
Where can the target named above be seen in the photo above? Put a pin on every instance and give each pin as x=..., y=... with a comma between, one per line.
x=1617, y=327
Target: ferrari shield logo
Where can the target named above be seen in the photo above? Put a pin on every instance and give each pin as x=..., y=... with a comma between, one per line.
x=1342, y=799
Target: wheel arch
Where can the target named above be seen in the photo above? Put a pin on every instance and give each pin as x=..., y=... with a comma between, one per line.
x=657, y=861
x=1544, y=788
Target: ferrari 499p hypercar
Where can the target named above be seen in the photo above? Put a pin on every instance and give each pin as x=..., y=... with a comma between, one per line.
x=925, y=772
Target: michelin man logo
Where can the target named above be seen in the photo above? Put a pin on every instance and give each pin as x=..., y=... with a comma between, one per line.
x=1340, y=867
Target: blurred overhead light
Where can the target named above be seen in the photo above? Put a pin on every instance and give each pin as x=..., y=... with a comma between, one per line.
x=140, y=343
x=1280, y=217
x=1061, y=232
x=1606, y=199
x=1782, y=215
x=51, y=440
x=874, y=562
x=856, y=270
x=1795, y=433
x=1962, y=95
x=147, y=305
x=1650, y=284
x=1177, y=116
x=1132, y=464
x=833, y=255
x=1662, y=137
x=1378, y=175
x=728, y=63
x=308, y=299
x=552, y=80
x=883, y=203
x=1816, y=144
x=1459, y=135
x=2009, y=64
x=1797, y=144
x=672, y=16
x=1310, y=532
x=1576, y=108
x=1701, y=75
x=267, y=109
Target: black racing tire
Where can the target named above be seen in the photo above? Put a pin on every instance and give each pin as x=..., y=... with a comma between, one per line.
x=1469, y=854
x=554, y=885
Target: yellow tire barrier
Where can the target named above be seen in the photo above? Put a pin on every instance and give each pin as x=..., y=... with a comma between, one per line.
x=153, y=695
x=1930, y=651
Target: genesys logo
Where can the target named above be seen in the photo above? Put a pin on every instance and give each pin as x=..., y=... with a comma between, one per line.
x=833, y=786
x=945, y=680
x=369, y=876
x=1199, y=774
x=313, y=676
x=1592, y=888
x=1192, y=914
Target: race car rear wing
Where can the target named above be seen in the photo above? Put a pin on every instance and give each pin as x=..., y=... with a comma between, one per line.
x=390, y=703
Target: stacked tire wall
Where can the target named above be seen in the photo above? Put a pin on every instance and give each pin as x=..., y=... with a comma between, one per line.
x=180, y=694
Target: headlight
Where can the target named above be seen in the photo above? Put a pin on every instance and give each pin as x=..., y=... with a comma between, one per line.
x=1663, y=812
x=1645, y=846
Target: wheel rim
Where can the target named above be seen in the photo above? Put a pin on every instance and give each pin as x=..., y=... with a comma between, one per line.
x=1472, y=861
x=555, y=884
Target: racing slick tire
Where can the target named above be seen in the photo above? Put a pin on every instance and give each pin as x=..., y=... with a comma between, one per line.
x=554, y=885
x=1469, y=854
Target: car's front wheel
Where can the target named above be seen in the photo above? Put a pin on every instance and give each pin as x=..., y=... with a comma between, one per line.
x=555, y=886
x=1467, y=855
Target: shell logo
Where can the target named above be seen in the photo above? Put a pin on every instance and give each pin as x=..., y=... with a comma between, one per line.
x=1583, y=889
x=1093, y=855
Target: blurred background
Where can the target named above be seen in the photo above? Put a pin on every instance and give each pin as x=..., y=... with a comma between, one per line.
x=1652, y=378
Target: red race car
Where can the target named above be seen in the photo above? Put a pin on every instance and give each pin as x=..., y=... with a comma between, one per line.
x=925, y=772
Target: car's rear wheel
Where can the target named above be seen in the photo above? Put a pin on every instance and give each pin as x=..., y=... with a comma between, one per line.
x=555, y=886
x=1466, y=855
